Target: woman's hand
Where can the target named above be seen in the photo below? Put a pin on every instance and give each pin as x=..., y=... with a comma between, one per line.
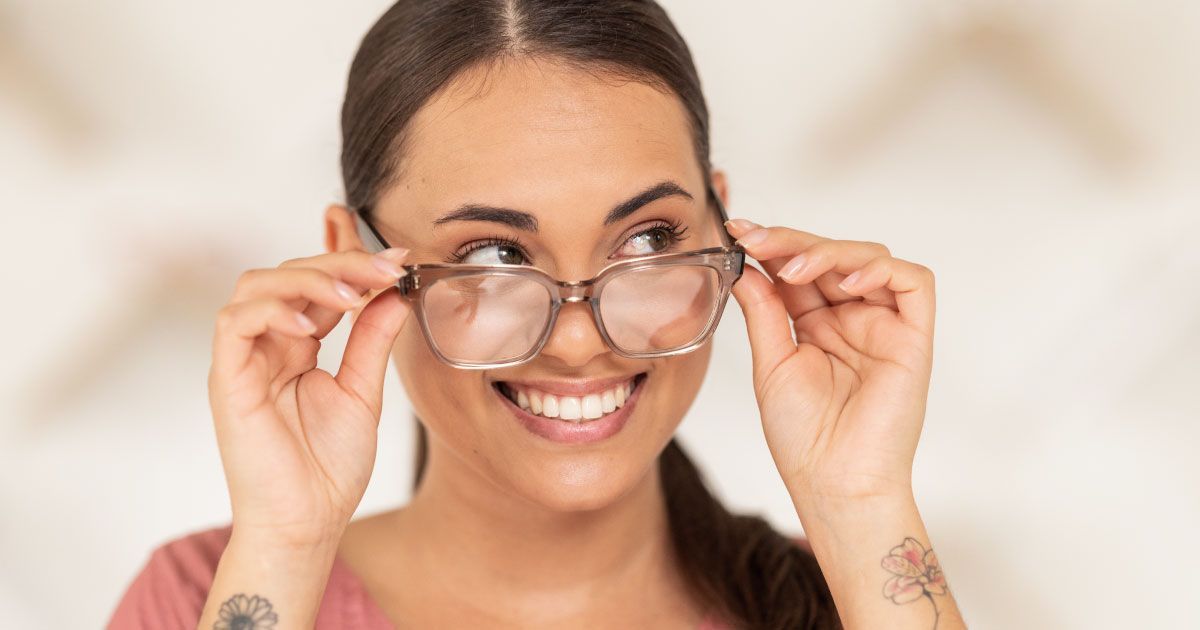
x=297, y=443
x=842, y=406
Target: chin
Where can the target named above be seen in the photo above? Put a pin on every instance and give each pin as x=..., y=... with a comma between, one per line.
x=579, y=483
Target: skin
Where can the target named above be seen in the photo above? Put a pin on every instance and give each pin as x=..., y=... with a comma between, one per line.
x=508, y=529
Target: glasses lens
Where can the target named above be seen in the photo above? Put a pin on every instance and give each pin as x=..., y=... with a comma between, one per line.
x=655, y=309
x=483, y=318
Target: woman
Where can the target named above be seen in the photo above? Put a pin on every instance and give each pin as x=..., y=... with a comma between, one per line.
x=481, y=140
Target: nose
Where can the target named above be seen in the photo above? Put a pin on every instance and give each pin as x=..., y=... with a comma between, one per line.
x=575, y=340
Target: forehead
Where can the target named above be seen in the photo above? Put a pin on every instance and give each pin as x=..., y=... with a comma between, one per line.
x=537, y=134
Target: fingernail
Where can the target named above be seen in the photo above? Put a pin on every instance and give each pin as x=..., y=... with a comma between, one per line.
x=387, y=266
x=849, y=281
x=792, y=269
x=754, y=237
x=346, y=291
x=742, y=225
x=306, y=324
x=394, y=254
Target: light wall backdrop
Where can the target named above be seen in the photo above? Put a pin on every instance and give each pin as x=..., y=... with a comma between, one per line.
x=1043, y=158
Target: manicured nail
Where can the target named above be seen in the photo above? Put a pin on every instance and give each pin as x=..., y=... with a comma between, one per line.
x=849, y=281
x=742, y=225
x=754, y=237
x=387, y=266
x=394, y=254
x=306, y=324
x=792, y=269
x=346, y=291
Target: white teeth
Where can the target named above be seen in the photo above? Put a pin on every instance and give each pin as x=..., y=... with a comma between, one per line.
x=608, y=402
x=571, y=408
x=591, y=406
x=550, y=406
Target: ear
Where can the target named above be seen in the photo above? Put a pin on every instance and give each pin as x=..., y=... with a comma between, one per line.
x=720, y=185
x=341, y=234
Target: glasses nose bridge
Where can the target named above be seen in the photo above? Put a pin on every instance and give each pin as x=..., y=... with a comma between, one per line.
x=576, y=291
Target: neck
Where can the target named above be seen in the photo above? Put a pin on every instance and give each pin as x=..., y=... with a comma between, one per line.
x=465, y=531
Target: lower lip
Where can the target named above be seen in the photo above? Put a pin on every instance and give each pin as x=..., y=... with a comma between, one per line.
x=568, y=432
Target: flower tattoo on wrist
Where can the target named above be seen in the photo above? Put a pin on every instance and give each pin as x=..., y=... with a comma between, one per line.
x=246, y=613
x=916, y=573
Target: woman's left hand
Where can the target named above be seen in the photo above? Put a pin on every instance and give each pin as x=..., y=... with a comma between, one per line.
x=842, y=406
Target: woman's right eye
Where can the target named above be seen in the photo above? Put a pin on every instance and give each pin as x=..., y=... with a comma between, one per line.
x=492, y=254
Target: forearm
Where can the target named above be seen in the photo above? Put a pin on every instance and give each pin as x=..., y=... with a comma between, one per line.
x=258, y=578
x=860, y=545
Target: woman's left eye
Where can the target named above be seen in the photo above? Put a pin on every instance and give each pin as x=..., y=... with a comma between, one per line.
x=654, y=240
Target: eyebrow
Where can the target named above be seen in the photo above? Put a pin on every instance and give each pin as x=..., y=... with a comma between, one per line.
x=529, y=223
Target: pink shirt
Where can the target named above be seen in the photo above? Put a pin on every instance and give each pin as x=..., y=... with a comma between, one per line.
x=172, y=587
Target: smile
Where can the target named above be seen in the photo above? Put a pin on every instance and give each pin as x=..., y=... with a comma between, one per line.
x=572, y=413
x=574, y=408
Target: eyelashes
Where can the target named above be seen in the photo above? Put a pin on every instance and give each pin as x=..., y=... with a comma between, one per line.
x=491, y=241
x=674, y=232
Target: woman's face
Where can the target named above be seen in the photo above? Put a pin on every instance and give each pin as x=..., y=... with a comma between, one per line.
x=565, y=147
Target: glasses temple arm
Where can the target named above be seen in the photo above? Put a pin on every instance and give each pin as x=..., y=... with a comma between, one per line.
x=370, y=237
x=726, y=238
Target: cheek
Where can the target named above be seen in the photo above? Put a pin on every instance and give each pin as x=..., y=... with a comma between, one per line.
x=445, y=398
x=679, y=380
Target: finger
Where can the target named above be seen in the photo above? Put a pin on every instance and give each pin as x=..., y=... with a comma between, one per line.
x=297, y=286
x=362, y=271
x=827, y=263
x=767, y=321
x=876, y=294
x=356, y=266
x=799, y=299
x=910, y=284
x=364, y=362
x=240, y=325
x=766, y=243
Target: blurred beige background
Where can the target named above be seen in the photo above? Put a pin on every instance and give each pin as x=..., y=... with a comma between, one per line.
x=1041, y=157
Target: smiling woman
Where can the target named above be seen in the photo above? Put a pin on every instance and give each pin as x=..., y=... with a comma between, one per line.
x=617, y=179
x=531, y=179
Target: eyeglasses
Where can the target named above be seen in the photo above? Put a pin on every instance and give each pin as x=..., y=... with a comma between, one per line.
x=492, y=316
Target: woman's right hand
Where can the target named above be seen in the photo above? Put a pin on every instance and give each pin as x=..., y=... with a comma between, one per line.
x=298, y=443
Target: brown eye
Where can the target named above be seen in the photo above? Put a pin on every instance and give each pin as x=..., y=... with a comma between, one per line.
x=657, y=239
x=654, y=240
x=492, y=254
x=509, y=255
x=493, y=250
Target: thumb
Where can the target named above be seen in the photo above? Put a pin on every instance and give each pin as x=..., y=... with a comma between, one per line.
x=767, y=321
x=370, y=344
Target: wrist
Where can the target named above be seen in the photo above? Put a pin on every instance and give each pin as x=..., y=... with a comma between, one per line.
x=827, y=506
x=284, y=542
x=817, y=490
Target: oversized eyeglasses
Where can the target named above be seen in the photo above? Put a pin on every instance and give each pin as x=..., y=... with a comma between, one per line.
x=490, y=316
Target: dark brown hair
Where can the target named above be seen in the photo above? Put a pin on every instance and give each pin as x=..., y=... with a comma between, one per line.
x=738, y=565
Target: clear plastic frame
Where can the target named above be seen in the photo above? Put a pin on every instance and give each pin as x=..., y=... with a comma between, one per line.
x=500, y=315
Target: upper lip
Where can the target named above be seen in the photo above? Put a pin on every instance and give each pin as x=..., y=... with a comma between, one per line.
x=571, y=387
